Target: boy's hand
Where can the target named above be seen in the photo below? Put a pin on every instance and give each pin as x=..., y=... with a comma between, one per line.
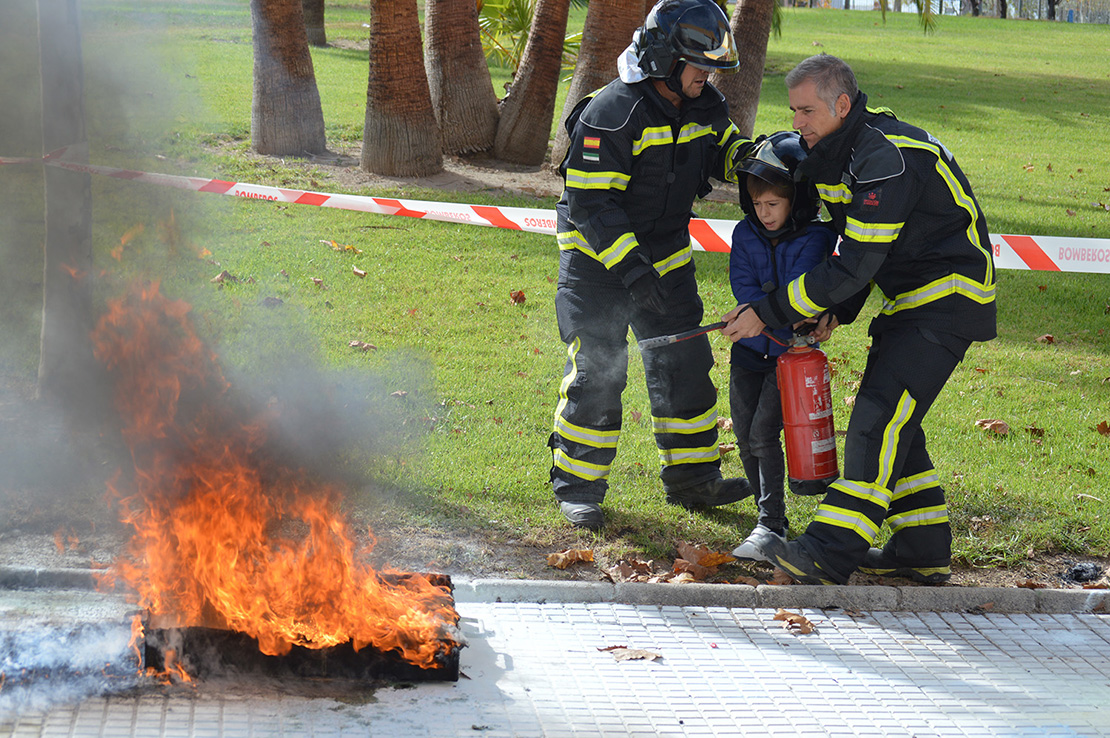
x=742, y=323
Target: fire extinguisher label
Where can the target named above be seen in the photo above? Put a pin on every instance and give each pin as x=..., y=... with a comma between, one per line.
x=821, y=414
x=823, y=445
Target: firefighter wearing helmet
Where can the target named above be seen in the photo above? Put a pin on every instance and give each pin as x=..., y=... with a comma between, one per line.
x=642, y=149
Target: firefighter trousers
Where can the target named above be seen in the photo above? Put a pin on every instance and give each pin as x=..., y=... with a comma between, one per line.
x=594, y=316
x=887, y=471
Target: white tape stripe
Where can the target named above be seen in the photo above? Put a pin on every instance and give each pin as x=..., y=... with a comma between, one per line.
x=1042, y=253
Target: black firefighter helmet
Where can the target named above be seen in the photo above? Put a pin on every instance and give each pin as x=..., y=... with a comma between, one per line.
x=775, y=159
x=693, y=31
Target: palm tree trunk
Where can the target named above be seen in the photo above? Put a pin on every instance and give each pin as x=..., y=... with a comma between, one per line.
x=462, y=93
x=401, y=137
x=314, y=22
x=286, y=117
x=526, y=112
x=608, y=30
x=751, y=26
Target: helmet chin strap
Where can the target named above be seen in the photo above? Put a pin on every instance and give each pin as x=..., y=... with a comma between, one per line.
x=674, y=81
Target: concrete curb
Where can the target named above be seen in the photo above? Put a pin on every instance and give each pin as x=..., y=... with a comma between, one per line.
x=878, y=598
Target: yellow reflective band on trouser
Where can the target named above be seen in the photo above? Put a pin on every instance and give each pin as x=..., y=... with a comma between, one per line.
x=586, y=436
x=848, y=519
x=568, y=380
x=916, y=483
x=580, y=469
x=953, y=284
x=903, y=411
x=578, y=179
x=866, y=491
x=922, y=516
x=872, y=232
x=799, y=300
x=704, y=422
x=674, y=456
x=837, y=193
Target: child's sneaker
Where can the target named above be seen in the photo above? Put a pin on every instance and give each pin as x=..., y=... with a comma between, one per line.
x=752, y=547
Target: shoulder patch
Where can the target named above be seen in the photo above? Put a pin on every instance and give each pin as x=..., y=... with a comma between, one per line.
x=612, y=107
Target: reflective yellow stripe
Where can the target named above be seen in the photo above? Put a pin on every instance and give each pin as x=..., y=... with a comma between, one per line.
x=620, y=248
x=916, y=483
x=581, y=180
x=679, y=258
x=586, y=436
x=837, y=193
x=962, y=198
x=872, y=232
x=921, y=516
x=848, y=519
x=873, y=493
x=580, y=469
x=654, y=136
x=693, y=131
x=568, y=379
x=673, y=456
x=953, y=284
x=704, y=422
x=799, y=299
x=573, y=240
x=903, y=411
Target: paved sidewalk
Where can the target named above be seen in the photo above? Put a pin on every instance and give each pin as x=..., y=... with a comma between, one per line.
x=533, y=668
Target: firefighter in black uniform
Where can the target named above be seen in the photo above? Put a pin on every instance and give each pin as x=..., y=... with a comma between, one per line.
x=641, y=149
x=910, y=225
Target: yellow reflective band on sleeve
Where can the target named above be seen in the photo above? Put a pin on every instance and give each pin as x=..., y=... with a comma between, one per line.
x=573, y=240
x=620, y=248
x=580, y=469
x=704, y=422
x=916, y=483
x=578, y=179
x=857, y=230
x=657, y=136
x=799, y=300
x=837, y=193
x=903, y=411
x=873, y=493
x=674, y=261
x=953, y=284
x=848, y=519
x=731, y=157
x=922, y=516
x=675, y=456
x=586, y=436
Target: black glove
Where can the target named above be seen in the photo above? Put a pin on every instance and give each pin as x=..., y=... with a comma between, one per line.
x=648, y=295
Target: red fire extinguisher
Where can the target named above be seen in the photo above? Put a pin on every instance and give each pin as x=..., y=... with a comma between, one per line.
x=807, y=417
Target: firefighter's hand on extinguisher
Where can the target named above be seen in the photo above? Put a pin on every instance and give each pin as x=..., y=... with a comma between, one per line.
x=823, y=326
x=741, y=323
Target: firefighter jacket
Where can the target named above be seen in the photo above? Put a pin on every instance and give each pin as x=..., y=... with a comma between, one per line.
x=756, y=267
x=909, y=224
x=633, y=168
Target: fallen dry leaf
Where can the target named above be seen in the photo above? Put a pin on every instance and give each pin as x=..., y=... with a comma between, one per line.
x=724, y=448
x=636, y=415
x=781, y=577
x=362, y=345
x=1035, y=431
x=224, y=276
x=1103, y=428
x=698, y=572
x=563, y=559
x=398, y=393
x=1046, y=338
x=994, y=425
x=358, y=272
x=750, y=581
x=724, y=424
x=795, y=622
x=516, y=297
x=623, y=653
x=318, y=282
x=850, y=400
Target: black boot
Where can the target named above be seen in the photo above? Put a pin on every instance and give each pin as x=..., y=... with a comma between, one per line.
x=880, y=563
x=583, y=514
x=714, y=493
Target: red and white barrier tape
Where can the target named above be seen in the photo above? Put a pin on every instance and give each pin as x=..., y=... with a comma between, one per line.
x=1042, y=253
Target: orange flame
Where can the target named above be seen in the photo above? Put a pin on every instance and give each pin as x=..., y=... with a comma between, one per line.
x=222, y=538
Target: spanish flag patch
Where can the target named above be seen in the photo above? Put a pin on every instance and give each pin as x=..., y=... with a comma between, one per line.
x=591, y=142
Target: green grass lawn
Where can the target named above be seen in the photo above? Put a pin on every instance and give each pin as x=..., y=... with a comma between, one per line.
x=469, y=378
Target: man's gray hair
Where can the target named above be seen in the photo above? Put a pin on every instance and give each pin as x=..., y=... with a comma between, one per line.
x=832, y=77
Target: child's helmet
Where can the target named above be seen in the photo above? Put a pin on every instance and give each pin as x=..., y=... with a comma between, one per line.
x=694, y=31
x=775, y=159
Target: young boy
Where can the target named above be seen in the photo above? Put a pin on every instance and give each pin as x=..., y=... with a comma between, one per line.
x=776, y=242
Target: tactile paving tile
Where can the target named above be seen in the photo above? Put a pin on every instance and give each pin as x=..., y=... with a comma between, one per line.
x=535, y=670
